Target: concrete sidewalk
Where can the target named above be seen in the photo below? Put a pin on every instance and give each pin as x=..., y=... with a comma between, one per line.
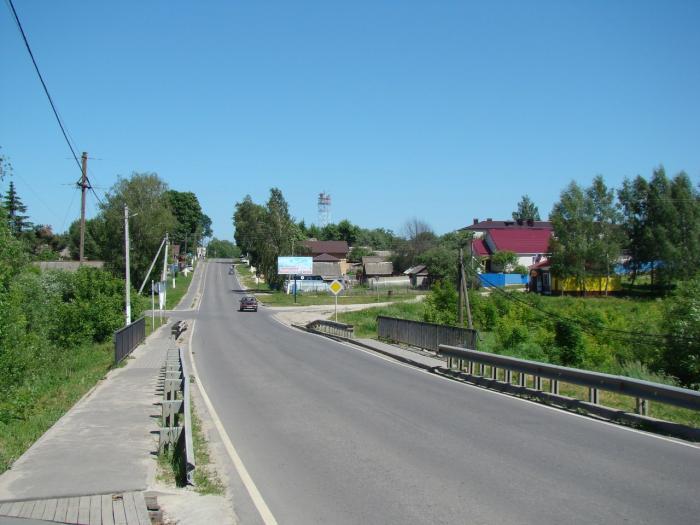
x=106, y=442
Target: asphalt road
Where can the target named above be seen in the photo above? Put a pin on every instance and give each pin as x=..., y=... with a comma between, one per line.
x=332, y=434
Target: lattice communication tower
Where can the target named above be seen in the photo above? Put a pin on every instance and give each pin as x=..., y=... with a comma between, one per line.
x=324, y=209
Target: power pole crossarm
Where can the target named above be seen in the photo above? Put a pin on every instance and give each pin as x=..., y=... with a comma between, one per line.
x=84, y=187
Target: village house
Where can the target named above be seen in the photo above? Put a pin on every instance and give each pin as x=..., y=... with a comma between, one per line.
x=528, y=239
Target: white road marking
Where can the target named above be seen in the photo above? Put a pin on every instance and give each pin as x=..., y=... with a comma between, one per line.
x=255, y=495
x=507, y=396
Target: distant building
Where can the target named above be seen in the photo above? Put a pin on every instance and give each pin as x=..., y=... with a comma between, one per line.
x=528, y=239
x=67, y=266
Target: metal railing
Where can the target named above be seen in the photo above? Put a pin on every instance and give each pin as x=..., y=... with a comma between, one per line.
x=474, y=363
x=332, y=328
x=128, y=338
x=177, y=414
x=424, y=335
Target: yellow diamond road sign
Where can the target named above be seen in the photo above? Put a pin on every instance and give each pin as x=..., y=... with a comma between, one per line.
x=336, y=287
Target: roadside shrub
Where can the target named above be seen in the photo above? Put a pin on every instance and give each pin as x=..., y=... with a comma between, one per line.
x=681, y=354
x=569, y=342
x=441, y=304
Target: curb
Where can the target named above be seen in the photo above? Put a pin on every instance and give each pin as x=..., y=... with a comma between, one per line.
x=401, y=358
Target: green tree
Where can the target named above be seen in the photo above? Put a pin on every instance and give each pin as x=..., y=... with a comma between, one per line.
x=94, y=238
x=188, y=212
x=572, y=220
x=661, y=224
x=606, y=230
x=504, y=261
x=248, y=218
x=221, y=248
x=150, y=218
x=526, y=210
x=681, y=355
x=15, y=212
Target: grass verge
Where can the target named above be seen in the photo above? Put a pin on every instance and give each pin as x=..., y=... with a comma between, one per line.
x=50, y=395
x=170, y=467
x=365, y=321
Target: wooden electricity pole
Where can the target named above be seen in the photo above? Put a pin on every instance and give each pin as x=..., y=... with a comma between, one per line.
x=463, y=293
x=84, y=187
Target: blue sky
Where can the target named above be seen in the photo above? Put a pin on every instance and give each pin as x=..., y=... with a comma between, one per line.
x=442, y=111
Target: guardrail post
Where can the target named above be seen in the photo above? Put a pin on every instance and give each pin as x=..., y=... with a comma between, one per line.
x=482, y=369
x=593, y=396
x=522, y=379
x=537, y=382
x=554, y=386
x=642, y=407
x=494, y=372
x=508, y=377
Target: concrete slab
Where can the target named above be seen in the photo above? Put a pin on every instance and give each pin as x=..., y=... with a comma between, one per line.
x=105, y=443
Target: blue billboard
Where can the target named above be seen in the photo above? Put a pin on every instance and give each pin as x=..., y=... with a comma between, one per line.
x=295, y=265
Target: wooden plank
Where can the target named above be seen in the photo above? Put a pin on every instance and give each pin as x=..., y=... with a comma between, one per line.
x=107, y=514
x=73, y=507
x=95, y=510
x=39, y=507
x=84, y=510
x=50, y=509
x=130, y=509
x=61, y=509
x=141, y=509
x=118, y=510
x=27, y=508
x=15, y=509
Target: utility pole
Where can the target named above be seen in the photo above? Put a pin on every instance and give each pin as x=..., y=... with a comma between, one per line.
x=84, y=187
x=164, y=275
x=460, y=282
x=126, y=257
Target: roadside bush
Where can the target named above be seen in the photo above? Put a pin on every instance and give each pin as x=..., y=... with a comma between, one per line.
x=569, y=342
x=441, y=304
x=681, y=355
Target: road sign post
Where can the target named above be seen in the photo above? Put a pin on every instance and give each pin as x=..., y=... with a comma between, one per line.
x=336, y=287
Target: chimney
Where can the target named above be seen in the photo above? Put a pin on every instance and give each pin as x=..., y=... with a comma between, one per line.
x=489, y=219
x=476, y=220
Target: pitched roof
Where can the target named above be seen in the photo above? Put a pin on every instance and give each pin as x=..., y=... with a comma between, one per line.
x=379, y=268
x=416, y=270
x=521, y=240
x=479, y=248
x=373, y=259
x=512, y=225
x=319, y=247
x=324, y=257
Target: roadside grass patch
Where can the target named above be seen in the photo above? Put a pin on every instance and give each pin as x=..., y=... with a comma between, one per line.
x=365, y=321
x=174, y=295
x=247, y=279
x=206, y=479
x=46, y=396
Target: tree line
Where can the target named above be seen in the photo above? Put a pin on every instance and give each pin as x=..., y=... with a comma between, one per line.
x=653, y=226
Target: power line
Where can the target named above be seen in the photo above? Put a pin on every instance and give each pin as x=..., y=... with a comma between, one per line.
x=48, y=95
x=585, y=326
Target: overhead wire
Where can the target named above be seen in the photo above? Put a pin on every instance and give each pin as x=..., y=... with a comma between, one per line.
x=587, y=326
x=48, y=96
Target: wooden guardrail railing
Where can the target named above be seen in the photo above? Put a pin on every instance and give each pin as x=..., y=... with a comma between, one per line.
x=177, y=415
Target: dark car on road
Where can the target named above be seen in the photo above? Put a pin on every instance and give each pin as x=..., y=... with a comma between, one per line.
x=248, y=303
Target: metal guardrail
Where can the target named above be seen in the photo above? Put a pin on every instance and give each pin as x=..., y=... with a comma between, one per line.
x=332, y=328
x=128, y=338
x=644, y=391
x=176, y=430
x=424, y=335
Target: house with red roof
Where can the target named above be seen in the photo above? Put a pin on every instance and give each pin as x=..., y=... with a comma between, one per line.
x=528, y=239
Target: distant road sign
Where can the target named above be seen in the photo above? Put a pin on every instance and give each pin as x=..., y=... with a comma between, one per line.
x=295, y=265
x=336, y=287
